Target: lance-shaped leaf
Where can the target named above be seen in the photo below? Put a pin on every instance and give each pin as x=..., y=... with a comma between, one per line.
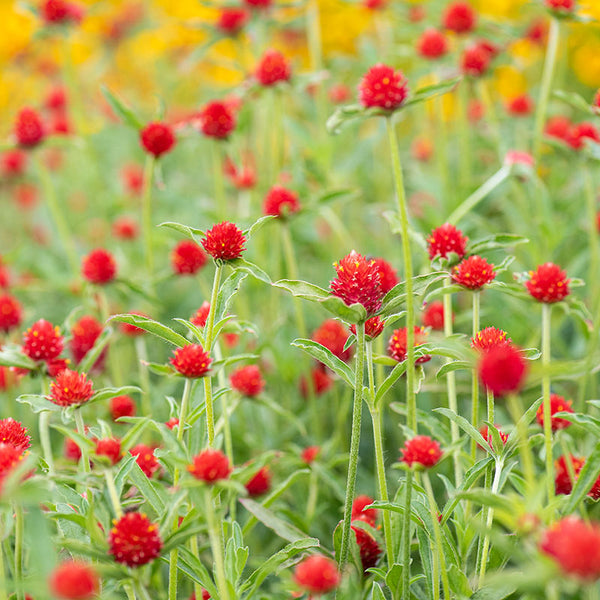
x=121, y=110
x=324, y=355
x=190, y=232
x=11, y=356
x=154, y=327
x=248, y=267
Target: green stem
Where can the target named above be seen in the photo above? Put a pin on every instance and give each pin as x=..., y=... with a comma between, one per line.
x=406, y=537
x=128, y=587
x=81, y=431
x=147, y=212
x=113, y=494
x=464, y=137
x=3, y=592
x=474, y=379
x=142, y=591
x=142, y=356
x=516, y=412
x=546, y=320
x=19, y=531
x=219, y=181
x=490, y=406
x=216, y=546
x=488, y=525
x=291, y=266
x=195, y=552
x=313, y=494
x=45, y=440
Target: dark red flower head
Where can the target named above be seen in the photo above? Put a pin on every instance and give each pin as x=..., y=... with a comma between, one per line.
x=187, y=258
x=369, y=548
x=9, y=459
x=191, y=361
x=432, y=44
x=99, y=266
x=557, y=404
x=157, y=138
x=84, y=334
x=200, y=316
x=373, y=328
x=258, y=4
x=134, y=540
x=387, y=274
x=225, y=241
x=548, y=283
x=358, y=280
x=398, y=344
x=146, y=460
x=558, y=127
x=421, y=450
x=332, y=334
x=247, y=381
x=210, y=466
x=70, y=388
x=122, y=406
x=42, y=341
x=520, y=106
x=11, y=313
x=272, y=68
x=489, y=338
x=360, y=513
x=433, y=315
x=310, y=453
x=317, y=574
x=232, y=20
x=13, y=163
x=459, y=17
x=383, y=87
x=320, y=382
x=217, y=120
x=12, y=432
x=502, y=370
x=581, y=132
x=561, y=6
x=563, y=483
x=74, y=580
x=259, y=483
x=475, y=60
x=125, y=228
x=58, y=12
x=474, y=272
x=29, y=129
x=280, y=202
x=111, y=448
x=446, y=239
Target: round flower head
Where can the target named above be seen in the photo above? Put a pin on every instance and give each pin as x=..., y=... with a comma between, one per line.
x=575, y=547
x=558, y=127
x=71, y=450
x=332, y=334
x=370, y=550
x=563, y=483
x=433, y=315
x=320, y=382
x=310, y=453
x=489, y=338
x=13, y=433
x=581, y=132
x=520, y=106
x=259, y=483
x=146, y=460
x=122, y=406
x=134, y=540
x=383, y=87
x=9, y=459
x=459, y=17
x=42, y=341
x=200, y=316
x=272, y=68
x=11, y=313
x=518, y=157
x=258, y=4
x=225, y=241
x=475, y=60
x=157, y=139
x=548, y=283
x=358, y=281
x=446, y=239
x=374, y=4
x=473, y=273
x=74, y=580
x=58, y=12
x=387, y=274
x=83, y=337
x=70, y=388
x=502, y=370
x=557, y=404
x=217, y=120
x=187, y=258
x=398, y=344
x=421, y=450
x=247, y=381
x=280, y=202
x=191, y=361
x=125, y=228
x=29, y=130
x=562, y=7
x=432, y=44
x=210, y=466
x=99, y=267
x=317, y=574
x=232, y=20
x=111, y=448
x=13, y=163
x=360, y=513
x=373, y=328
x=485, y=433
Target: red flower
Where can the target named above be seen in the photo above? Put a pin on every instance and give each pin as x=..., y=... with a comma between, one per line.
x=383, y=87
x=99, y=266
x=205, y=595
x=200, y=316
x=459, y=17
x=561, y=6
x=317, y=574
x=520, y=105
x=225, y=241
x=280, y=202
x=191, y=361
x=489, y=338
x=247, y=381
x=310, y=453
x=56, y=365
x=575, y=546
x=29, y=129
x=518, y=157
x=146, y=460
x=432, y=44
x=502, y=369
x=475, y=60
x=548, y=283
x=125, y=228
x=581, y=132
x=272, y=68
x=133, y=179
x=217, y=120
x=232, y=20
x=563, y=484
x=42, y=341
x=557, y=404
x=134, y=540
x=258, y=4
x=387, y=274
x=422, y=149
x=9, y=459
x=11, y=313
x=484, y=431
x=397, y=346
x=474, y=272
x=596, y=102
x=122, y=406
x=111, y=448
x=56, y=12
x=537, y=32
x=421, y=450
x=360, y=513
x=74, y=580
x=339, y=93
x=358, y=281
x=71, y=450
x=370, y=550
x=260, y=483
x=333, y=336
x=433, y=315
x=210, y=466
x=172, y=423
x=83, y=337
x=374, y=4
x=13, y=163
x=132, y=330
x=157, y=139
x=56, y=99
x=187, y=258
x=373, y=328
x=558, y=127
x=320, y=381
x=13, y=433
x=446, y=239
x=70, y=388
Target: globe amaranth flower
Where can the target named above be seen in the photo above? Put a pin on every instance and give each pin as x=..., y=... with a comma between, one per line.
x=317, y=574
x=332, y=334
x=74, y=580
x=309, y=454
x=558, y=127
x=210, y=466
x=157, y=139
x=369, y=548
x=272, y=68
x=563, y=467
x=358, y=281
x=360, y=513
x=548, y=283
x=122, y=406
x=71, y=450
x=70, y=388
x=11, y=313
x=29, y=130
x=60, y=12
x=373, y=328
x=475, y=60
x=446, y=239
x=520, y=106
x=13, y=433
x=489, y=338
x=224, y=241
x=247, y=381
x=561, y=7
x=232, y=20
x=387, y=274
x=258, y=4
x=421, y=450
x=9, y=459
x=84, y=334
x=125, y=228
x=432, y=44
x=473, y=273
x=280, y=202
x=145, y=459
x=398, y=344
x=187, y=258
x=459, y=17
x=502, y=369
x=201, y=315
x=320, y=381
x=433, y=315
x=217, y=120
x=134, y=540
x=581, y=132
x=596, y=102
x=557, y=404
x=259, y=483
x=99, y=266
x=383, y=87
x=485, y=434
x=110, y=448
x=191, y=361
x=13, y=163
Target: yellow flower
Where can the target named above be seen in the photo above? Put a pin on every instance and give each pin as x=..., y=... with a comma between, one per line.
x=509, y=82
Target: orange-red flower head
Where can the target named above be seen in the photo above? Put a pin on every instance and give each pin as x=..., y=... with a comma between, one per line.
x=134, y=540
x=210, y=466
x=473, y=273
x=225, y=241
x=317, y=574
x=191, y=361
x=421, y=450
x=70, y=388
x=548, y=283
x=383, y=87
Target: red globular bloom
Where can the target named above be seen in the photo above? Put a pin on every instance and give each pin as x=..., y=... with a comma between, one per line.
x=260, y=483
x=317, y=574
x=485, y=433
x=99, y=266
x=383, y=87
x=373, y=328
x=310, y=453
x=518, y=157
x=71, y=450
x=29, y=129
x=387, y=274
x=459, y=17
x=11, y=313
x=13, y=433
x=13, y=163
x=125, y=228
x=370, y=550
x=489, y=338
x=187, y=258
x=474, y=272
x=280, y=202
x=225, y=241
x=563, y=484
x=558, y=127
x=548, y=283
x=446, y=239
x=133, y=179
x=375, y=4
x=421, y=450
x=247, y=381
x=122, y=406
x=70, y=388
x=57, y=12
x=111, y=448
x=272, y=68
x=74, y=580
x=56, y=365
x=134, y=540
x=475, y=60
x=157, y=138
x=358, y=281
x=432, y=44
x=557, y=404
x=502, y=369
x=83, y=337
x=42, y=341
x=333, y=336
x=146, y=460
x=210, y=466
x=191, y=361
x=200, y=316
x=320, y=382
x=9, y=459
x=217, y=120
x=172, y=423
x=575, y=546
x=537, y=32
x=232, y=20
x=56, y=99
x=398, y=344
x=520, y=106
x=581, y=132
x=561, y=6
x=258, y=4
x=433, y=315
x=360, y=513
x=339, y=93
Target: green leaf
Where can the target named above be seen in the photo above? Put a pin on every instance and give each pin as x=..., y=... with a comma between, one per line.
x=498, y=240
x=586, y=479
x=108, y=393
x=575, y=100
x=493, y=592
x=121, y=110
x=190, y=232
x=431, y=91
x=154, y=327
x=257, y=225
x=13, y=357
x=133, y=433
x=146, y=488
x=455, y=365
x=397, y=295
x=227, y=291
x=465, y=426
x=389, y=381
x=324, y=355
x=282, y=528
x=487, y=498
x=38, y=403
x=376, y=592
x=94, y=353
x=248, y=267
x=195, y=570
x=523, y=422
x=352, y=112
